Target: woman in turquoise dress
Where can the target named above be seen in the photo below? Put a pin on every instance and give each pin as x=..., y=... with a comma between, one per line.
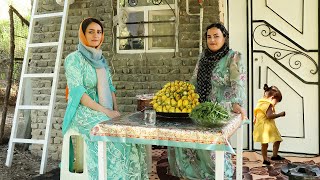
x=92, y=100
x=219, y=76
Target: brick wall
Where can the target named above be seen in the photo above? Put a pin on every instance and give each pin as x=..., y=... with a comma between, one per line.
x=133, y=74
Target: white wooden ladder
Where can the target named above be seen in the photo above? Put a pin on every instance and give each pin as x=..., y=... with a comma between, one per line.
x=55, y=76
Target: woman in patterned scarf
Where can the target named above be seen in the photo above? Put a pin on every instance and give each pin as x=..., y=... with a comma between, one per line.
x=219, y=76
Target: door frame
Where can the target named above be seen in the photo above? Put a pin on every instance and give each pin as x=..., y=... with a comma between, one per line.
x=231, y=5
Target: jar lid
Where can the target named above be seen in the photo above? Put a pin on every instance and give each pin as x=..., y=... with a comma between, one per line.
x=144, y=96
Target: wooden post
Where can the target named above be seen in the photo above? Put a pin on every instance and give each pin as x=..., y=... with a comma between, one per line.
x=9, y=77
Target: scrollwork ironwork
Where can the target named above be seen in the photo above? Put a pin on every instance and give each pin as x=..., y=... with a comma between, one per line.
x=156, y=2
x=282, y=53
x=133, y=3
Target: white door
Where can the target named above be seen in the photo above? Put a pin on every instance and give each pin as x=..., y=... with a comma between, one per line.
x=236, y=24
x=283, y=51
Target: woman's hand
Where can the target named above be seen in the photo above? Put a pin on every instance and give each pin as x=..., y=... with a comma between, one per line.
x=88, y=102
x=236, y=108
x=110, y=113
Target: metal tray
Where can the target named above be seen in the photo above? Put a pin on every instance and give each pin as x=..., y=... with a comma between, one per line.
x=174, y=117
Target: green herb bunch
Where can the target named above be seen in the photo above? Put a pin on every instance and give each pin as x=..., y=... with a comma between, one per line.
x=209, y=114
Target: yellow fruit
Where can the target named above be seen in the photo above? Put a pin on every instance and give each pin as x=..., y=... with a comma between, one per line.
x=195, y=101
x=164, y=109
x=173, y=102
x=191, y=91
x=152, y=101
x=159, y=109
x=184, y=97
x=155, y=105
x=185, y=103
x=175, y=96
x=185, y=93
x=163, y=98
x=167, y=101
x=180, y=103
x=172, y=110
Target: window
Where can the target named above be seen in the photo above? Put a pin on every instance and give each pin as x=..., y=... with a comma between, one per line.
x=147, y=26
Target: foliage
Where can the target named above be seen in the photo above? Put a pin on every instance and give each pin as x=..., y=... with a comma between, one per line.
x=21, y=32
x=4, y=36
x=209, y=114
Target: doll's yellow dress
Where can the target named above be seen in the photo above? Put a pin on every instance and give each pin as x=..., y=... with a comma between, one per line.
x=265, y=130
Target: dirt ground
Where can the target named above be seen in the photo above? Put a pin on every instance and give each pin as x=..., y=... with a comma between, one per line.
x=24, y=164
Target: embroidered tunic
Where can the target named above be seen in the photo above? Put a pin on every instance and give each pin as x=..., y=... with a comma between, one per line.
x=228, y=85
x=125, y=161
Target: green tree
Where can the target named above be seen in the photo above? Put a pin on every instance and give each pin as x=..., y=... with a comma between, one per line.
x=4, y=37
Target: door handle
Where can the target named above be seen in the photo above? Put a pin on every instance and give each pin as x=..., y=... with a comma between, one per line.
x=259, y=78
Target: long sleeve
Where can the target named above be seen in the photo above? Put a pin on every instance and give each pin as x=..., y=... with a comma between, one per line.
x=74, y=78
x=237, y=79
x=73, y=71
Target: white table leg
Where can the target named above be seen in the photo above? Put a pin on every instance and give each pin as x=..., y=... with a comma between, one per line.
x=219, y=165
x=239, y=152
x=149, y=157
x=102, y=160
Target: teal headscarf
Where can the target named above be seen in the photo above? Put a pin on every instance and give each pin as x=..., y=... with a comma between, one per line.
x=93, y=56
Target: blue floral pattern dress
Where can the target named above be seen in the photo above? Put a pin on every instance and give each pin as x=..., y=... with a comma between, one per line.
x=124, y=161
x=228, y=85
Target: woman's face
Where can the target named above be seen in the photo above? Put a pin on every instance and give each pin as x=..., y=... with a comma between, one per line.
x=93, y=34
x=215, y=39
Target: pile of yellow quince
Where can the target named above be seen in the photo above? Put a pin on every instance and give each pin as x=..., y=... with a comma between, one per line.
x=175, y=97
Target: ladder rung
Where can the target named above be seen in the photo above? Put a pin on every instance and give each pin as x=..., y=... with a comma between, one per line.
x=44, y=44
x=30, y=141
x=33, y=107
x=38, y=75
x=48, y=15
